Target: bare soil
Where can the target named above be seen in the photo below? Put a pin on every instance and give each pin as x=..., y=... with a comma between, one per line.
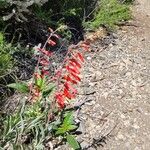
x=116, y=88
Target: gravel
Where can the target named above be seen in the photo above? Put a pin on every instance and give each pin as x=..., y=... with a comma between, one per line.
x=116, y=80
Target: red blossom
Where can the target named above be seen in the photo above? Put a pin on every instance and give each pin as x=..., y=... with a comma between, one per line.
x=44, y=72
x=70, y=88
x=47, y=53
x=85, y=46
x=60, y=100
x=68, y=78
x=80, y=56
x=72, y=69
x=76, y=77
x=68, y=75
x=51, y=42
x=44, y=62
x=57, y=36
x=75, y=62
x=67, y=94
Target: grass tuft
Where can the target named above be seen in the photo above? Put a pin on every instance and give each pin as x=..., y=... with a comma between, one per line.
x=110, y=13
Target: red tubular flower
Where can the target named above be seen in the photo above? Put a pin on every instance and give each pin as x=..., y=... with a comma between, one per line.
x=80, y=56
x=44, y=62
x=60, y=100
x=67, y=94
x=44, y=72
x=71, y=64
x=85, y=46
x=69, y=87
x=68, y=78
x=36, y=93
x=75, y=62
x=71, y=69
x=57, y=36
x=47, y=53
x=51, y=42
x=76, y=77
x=50, y=29
x=37, y=75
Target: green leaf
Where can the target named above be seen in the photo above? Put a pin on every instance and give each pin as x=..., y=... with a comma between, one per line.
x=21, y=87
x=73, y=142
x=71, y=127
x=68, y=118
x=49, y=88
x=40, y=82
x=60, y=131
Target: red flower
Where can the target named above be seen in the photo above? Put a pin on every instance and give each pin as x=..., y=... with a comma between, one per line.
x=68, y=78
x=47, y=53
x=80, y=56
x=85, y=46
x=72, y=69
x=57, y=36
x=44, y=62
x=51, y=42
x=69, y=87
x=75, y=62
x=60, y=100
x=44, y=72
x=67, y=94
x=76, y=77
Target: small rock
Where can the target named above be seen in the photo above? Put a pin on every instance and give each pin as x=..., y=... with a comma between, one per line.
x=122, y=116
x=88, y=58
x=120, y=136
x=84, y=145
x=135, y=126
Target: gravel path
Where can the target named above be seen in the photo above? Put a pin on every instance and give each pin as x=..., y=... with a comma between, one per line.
x=116, y=84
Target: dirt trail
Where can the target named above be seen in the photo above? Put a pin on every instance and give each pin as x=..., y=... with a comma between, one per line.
x=116, y=84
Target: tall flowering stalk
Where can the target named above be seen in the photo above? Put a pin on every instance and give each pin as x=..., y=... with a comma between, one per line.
x=42, y=68
x=66, y=77
x=70, y=73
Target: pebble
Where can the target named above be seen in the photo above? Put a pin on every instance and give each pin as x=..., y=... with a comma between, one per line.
x=89, y=58
x=84, y=145
x=135, y=126
x=120, y=136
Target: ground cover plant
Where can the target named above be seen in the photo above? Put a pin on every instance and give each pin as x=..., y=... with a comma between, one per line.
x=110, y=13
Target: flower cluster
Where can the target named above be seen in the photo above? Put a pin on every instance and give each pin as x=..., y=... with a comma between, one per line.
x=66, y=77
x=70, y=73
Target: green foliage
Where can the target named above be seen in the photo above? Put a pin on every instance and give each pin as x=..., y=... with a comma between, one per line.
x=21, y=87
x=58, y=12
x=6, y=61
x=28, y=128
x=19, y=127
x=65, y=128
x=3, y=3
x=67, y=125
x=110, y=13
x=73, y=142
